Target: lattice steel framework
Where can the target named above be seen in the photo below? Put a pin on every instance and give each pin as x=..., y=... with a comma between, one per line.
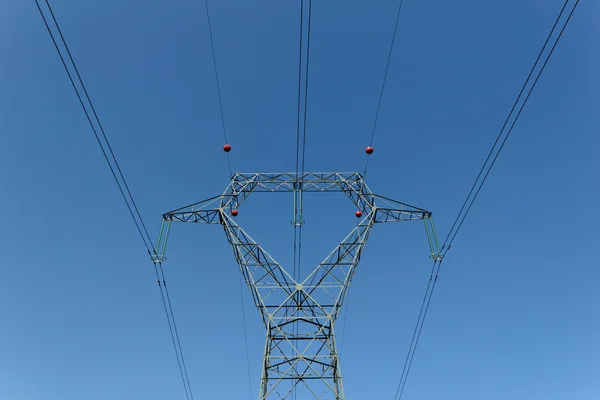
x=299, y=315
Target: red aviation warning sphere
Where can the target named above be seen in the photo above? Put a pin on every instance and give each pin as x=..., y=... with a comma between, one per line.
x=227, y=148
x=234, y=213
x=358, y=214
x=369, y=150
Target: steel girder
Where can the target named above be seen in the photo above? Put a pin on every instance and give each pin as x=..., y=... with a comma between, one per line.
x=299, y=314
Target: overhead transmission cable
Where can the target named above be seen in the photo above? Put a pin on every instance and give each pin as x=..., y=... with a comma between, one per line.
x=298, y=132
x=297, y=218
x=214, y=58
x=299, y=278
x=98, y=132
x=473, y=193
x=489, y=167
x=304, y=133
x=119, y=179
x=173, y=330
x=418, y=327
x=306, y=85
x=301, y=133
x=300, y=150
x=387, y=67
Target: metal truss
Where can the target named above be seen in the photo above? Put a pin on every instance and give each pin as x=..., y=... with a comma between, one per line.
x=299, y=314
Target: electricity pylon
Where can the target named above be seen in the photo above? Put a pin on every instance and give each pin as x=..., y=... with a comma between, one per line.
x=299, y=314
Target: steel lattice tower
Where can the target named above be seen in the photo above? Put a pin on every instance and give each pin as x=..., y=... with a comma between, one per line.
x=299, y=315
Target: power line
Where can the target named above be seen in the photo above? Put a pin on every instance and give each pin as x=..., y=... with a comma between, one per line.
x=139, y=225
x=299, y=102
x=184, y=378
x=452, y=233
x=304, y=134
x=387, y=67
x=298, y=130
x=418, y=327
x=214, y=57
x=300, y=150
x=298, y=217
x=485, y=164
x=303, y=154
x=306, y=84
x=121, y=184
x=99, y=124
x=162, y=273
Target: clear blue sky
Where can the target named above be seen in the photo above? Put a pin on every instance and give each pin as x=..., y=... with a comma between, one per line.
x=515, y=314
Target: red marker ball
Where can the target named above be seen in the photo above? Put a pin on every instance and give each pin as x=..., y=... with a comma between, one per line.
x=234, y=213
x=227, y=148
x=358, y=214
x=369, y=150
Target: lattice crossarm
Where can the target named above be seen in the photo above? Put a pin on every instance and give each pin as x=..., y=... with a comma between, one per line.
x=289, y=181
x=389, y=210
x=398, y=215
x=210, y=216
x=205, y=211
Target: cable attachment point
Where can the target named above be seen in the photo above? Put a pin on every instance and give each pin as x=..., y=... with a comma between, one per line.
x=158, y=259
x=437, y=257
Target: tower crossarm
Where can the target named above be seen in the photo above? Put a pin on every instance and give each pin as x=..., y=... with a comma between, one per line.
x=388, y=210
x=288, y=182
x=206, y=211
